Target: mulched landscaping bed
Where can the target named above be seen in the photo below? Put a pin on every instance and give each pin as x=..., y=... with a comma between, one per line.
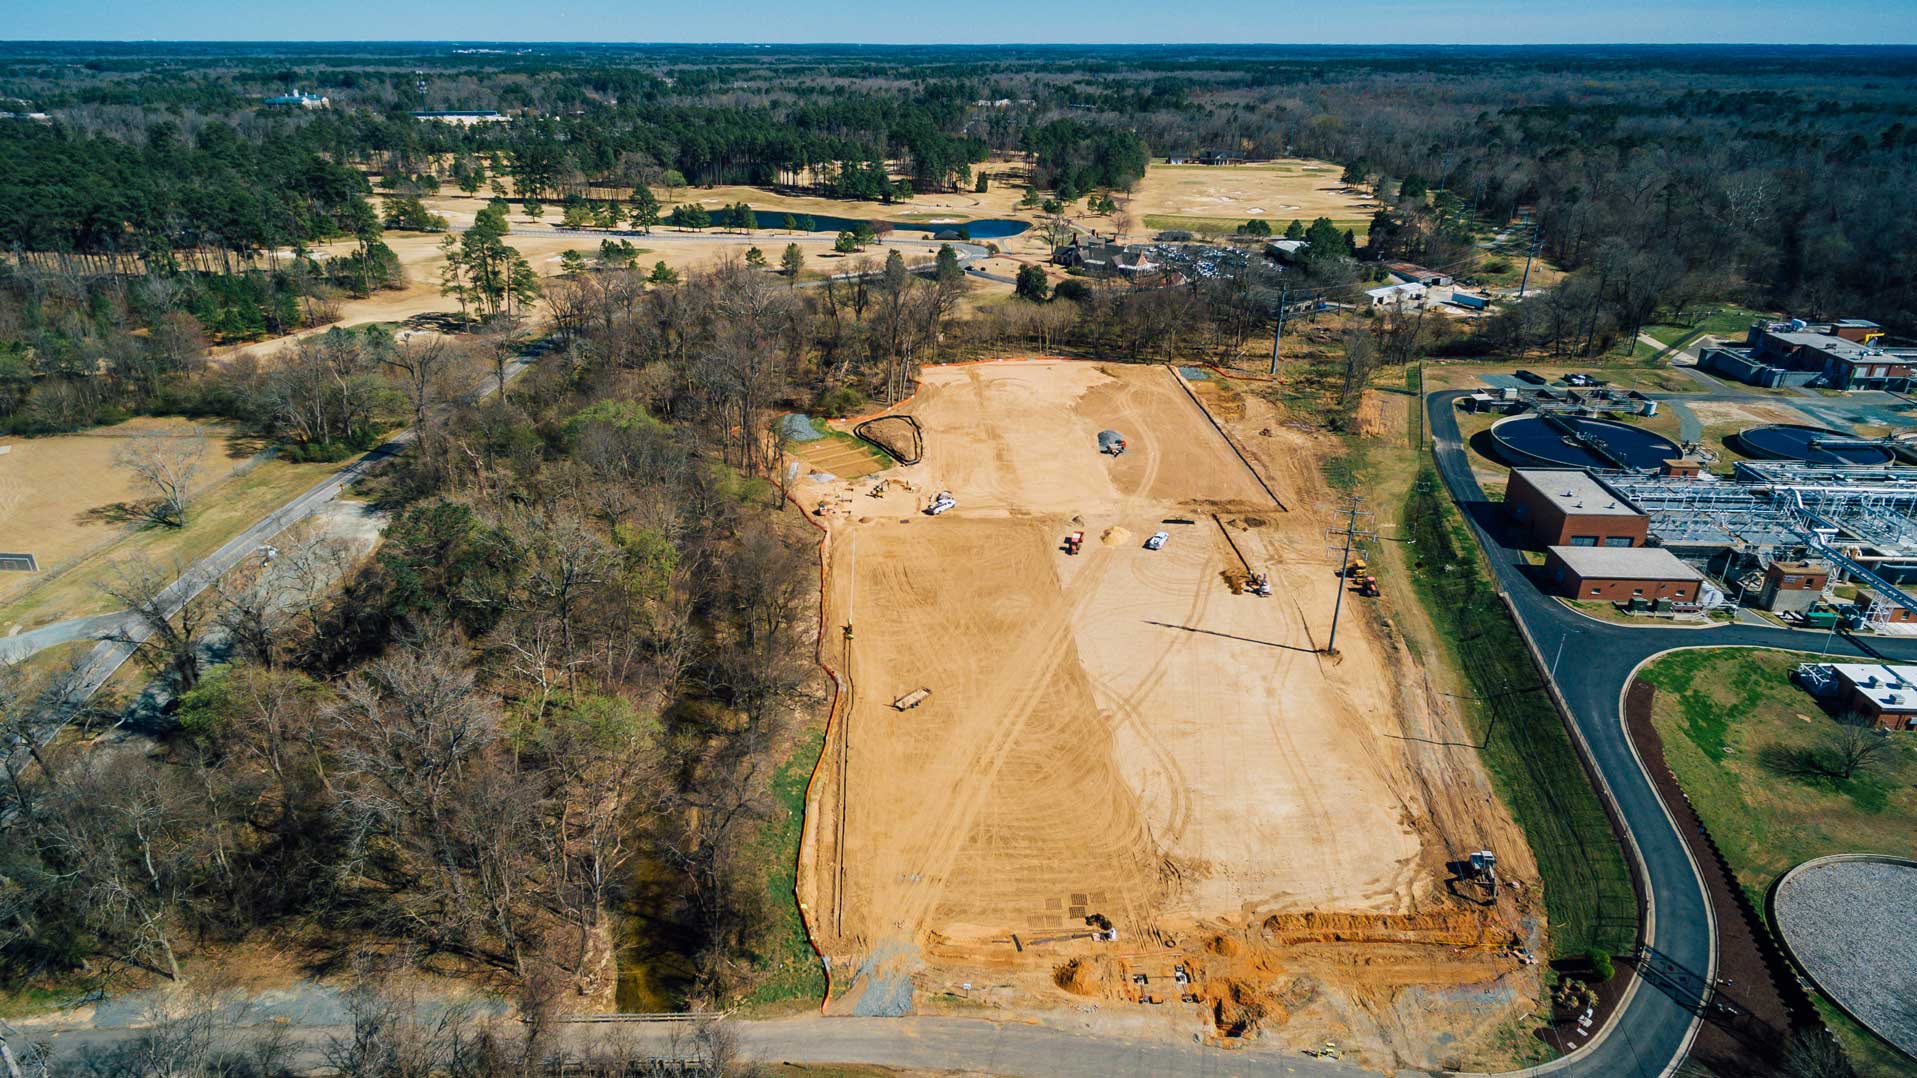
x=1754, y=978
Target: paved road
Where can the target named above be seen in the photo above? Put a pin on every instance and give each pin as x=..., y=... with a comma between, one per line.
x=111, y=654
x=97, y=627
x=1652, y=1032
x=946, y=1045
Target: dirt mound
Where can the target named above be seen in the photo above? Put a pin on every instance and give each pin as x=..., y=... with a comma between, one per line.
x=1236, y=1007
x=1449, y=928
x=1115, y=537
x=1095, y=977
x=899, y=436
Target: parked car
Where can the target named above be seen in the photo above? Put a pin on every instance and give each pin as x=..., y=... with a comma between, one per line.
x=1157, y=540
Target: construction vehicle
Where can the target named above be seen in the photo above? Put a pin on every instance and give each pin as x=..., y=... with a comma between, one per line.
x=1259, y=584
x=1157, y=541
x=1112, y=442
x=878, y=489
x=1074, y=541
x=940, y=504
x=1484, y=867
x=1356, y=568
x=1368, y=586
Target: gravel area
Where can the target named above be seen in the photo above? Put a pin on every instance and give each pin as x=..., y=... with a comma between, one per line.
x=1853, y=927
x=797, y=427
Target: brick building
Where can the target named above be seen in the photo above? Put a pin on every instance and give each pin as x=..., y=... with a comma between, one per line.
x=1886, y=694
x=1568, y=507
x=1793, y=586
x=1621, y=574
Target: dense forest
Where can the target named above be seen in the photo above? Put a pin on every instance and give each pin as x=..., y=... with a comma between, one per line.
x=1774, y=176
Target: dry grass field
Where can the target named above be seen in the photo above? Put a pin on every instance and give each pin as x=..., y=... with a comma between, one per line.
x=58, y=494
x=1119, y=734
x=1201, y=196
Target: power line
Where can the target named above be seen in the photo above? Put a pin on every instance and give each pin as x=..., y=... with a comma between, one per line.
x=1353, y=534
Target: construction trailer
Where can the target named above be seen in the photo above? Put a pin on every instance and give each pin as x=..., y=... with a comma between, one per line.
x=911, y=699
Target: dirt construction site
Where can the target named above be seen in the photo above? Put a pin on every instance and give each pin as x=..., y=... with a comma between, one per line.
x=1118, y=787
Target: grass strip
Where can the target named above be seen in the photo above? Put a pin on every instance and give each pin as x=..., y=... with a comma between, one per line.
x=789, y=966
x=1524, y=744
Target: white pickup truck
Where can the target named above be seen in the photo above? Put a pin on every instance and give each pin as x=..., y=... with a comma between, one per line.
x=941, y=503
x=1157, y=540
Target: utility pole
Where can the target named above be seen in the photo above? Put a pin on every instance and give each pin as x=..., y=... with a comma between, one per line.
x=1278, y=330
x=1352, y=534
x=1537, y=244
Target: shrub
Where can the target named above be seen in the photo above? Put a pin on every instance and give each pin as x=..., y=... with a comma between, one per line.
x=1077, y=291
x=840, y=401
x=1601, y=966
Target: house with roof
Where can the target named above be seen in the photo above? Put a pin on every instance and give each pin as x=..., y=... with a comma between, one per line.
x=1104, y=258
x=1413, y=273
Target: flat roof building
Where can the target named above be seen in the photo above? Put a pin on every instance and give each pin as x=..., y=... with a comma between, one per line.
x=1569, y=507
x=1793, y=586
x=1621, y=574
x=1884, y=693
x=296, y=100
x=1397, y=295
x=462, y=118
x=1846, y=354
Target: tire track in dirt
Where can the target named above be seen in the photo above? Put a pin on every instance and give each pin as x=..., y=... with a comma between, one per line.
x=1057, y=642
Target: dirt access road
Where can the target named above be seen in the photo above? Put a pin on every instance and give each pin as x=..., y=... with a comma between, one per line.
x=1118, y=734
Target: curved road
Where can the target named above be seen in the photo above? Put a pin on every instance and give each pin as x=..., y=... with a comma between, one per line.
x=1651, y=1033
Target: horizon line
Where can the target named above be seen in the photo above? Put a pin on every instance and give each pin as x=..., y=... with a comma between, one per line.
x=974, y=44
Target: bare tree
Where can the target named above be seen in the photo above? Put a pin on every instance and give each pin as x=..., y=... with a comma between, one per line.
x=393, y=1035
x=1853, y=746
x=1361, y=358
x=165, y=464
x=421, y=365
x=166, y=626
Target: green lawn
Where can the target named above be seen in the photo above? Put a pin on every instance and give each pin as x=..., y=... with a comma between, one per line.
x=1727, y=321
x=1734, y=728
x=1526, y=748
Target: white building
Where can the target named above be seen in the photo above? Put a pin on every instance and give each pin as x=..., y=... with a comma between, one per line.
x=462, y=119
x=296, y=100
x=1397, y=295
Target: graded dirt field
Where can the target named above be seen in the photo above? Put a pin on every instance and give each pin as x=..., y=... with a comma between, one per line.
x=1118, y=734
x=58, y=493
x=1277, y=191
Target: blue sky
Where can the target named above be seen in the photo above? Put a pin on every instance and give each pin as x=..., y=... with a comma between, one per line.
x=967, y=21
